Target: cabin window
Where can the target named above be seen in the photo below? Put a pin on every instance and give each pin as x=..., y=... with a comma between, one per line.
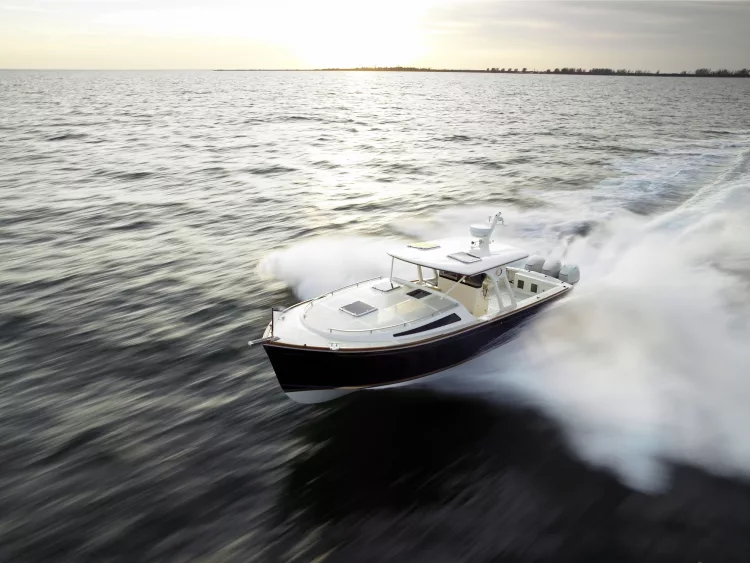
x=534, y=288
x=472, y=281
x=520, y=284
x=450, y=319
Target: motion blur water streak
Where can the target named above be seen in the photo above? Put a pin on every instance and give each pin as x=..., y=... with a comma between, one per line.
x=149, y=220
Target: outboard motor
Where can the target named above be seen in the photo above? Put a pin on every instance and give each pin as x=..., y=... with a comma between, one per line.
x=551, y=267
x=535, y=263
x=569, y=274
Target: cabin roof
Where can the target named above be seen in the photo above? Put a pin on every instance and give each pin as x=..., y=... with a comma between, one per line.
x=435, y=254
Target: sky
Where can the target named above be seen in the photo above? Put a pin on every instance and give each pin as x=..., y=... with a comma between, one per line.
x=537, y=34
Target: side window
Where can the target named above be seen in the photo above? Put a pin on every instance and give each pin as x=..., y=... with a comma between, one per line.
x=450, y=319
x=520, y=284
x=534, y=288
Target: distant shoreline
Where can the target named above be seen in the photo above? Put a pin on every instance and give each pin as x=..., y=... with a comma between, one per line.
x=699, y=73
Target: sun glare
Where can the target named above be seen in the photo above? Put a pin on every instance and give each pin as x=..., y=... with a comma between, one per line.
x=340, y=33
x=325, y=33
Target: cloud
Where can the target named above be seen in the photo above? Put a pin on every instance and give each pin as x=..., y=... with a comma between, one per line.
x=14, y=8
x=643, y=34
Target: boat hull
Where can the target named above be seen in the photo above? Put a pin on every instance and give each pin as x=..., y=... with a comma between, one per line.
x=312, y=374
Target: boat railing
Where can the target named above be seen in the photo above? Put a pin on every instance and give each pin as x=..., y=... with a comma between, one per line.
x=397, y=325
x=311, y=302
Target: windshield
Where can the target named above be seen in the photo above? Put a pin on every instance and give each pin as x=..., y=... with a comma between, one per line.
x=473, y=281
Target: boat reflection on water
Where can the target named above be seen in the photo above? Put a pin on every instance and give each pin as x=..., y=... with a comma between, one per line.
x=407, y=475
x=412, y=475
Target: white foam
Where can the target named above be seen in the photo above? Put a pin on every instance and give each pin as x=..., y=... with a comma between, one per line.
x=318, y=265
x=648, y=362
x=315, y=266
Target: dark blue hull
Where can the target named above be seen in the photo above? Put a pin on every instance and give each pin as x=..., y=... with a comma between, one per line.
x=307, y=369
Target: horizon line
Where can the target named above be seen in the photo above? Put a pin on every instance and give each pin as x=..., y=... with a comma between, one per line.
x=397, y=68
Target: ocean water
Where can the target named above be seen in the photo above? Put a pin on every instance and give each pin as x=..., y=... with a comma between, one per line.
x=149, y=220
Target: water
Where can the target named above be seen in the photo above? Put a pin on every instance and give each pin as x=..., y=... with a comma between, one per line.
x=148, y=221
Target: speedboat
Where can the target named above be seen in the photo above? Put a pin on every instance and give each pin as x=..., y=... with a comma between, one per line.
x=466, y=296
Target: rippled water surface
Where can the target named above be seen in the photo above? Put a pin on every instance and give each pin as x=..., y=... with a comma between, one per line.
x=148, y=221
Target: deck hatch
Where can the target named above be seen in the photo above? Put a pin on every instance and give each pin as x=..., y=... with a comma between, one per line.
x=418, y=293
x=464, y=257
x=358, y=308
x=424, y=245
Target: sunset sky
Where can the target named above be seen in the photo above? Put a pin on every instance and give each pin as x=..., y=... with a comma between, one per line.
x=666, y=36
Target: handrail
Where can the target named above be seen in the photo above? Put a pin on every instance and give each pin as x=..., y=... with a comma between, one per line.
x=435, y=291
x=311, y=301
x=283, y=311
x=371, y=330
x=416, y=285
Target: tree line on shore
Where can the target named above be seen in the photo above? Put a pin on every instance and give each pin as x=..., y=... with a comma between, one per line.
x=744, y=73
x=628, y=72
